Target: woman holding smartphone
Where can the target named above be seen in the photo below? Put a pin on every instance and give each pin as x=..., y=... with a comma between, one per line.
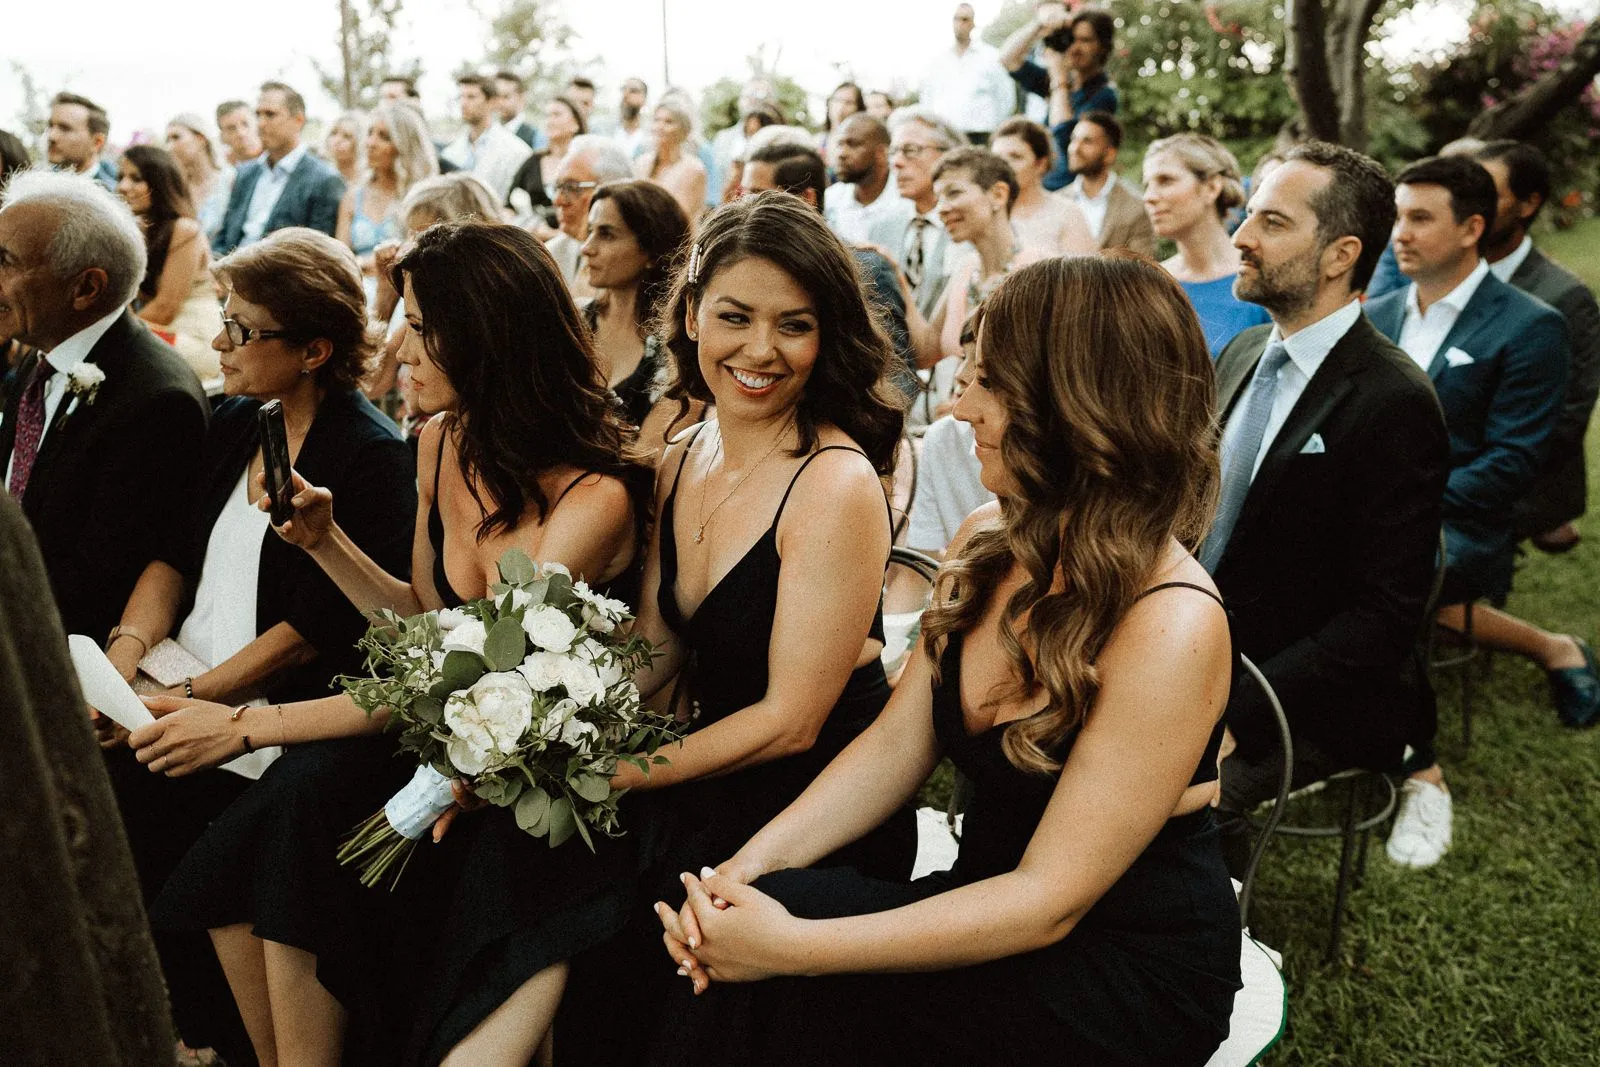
x=521, y=452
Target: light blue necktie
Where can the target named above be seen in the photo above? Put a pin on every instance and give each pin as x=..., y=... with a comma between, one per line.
x=1239, y=461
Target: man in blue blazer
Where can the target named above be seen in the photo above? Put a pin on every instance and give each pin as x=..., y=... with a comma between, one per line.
x=1499, y=362
x=287, y=186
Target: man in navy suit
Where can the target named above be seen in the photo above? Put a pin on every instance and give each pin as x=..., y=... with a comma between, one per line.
x=1323, y=545
x=287, y=186
x=1499, y=363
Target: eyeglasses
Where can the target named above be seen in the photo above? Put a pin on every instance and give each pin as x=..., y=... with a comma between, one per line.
x=240, y=335
x=912, y=151
x=575, y=189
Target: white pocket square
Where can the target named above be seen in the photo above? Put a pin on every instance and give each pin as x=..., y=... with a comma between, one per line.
x=1314, y=447
x=1457, y=358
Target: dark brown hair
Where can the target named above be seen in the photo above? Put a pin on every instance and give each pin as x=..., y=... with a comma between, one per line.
x=850, y=387
x=311, y=284
x=658, y=223
x=1111, y=439
x=169, y=202
x=498, y=320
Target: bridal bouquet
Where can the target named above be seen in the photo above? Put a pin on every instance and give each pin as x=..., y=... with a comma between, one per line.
x=526, y=695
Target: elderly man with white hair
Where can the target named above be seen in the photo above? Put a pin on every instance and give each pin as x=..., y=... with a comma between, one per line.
x=590, y=162
x=102, y=435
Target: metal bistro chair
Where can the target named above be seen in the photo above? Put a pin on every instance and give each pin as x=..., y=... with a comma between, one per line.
x=1460, y=659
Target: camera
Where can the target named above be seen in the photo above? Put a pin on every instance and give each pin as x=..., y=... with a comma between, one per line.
x=1059, y=40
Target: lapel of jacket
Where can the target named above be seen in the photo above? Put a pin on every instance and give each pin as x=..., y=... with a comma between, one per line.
x=8, y=428
x=72, y=414
x=1327, y=387
x=293, y=192
x=1231, y=377
x=1113, y=232
x=1479, y=313
x=1531, y=275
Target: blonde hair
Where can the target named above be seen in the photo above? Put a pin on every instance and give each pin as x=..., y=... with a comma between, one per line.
x=1111, y=439
x=414, y=160
x=457, y=195
x=1205, y=157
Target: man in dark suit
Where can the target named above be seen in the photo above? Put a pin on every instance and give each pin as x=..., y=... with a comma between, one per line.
x=287, y=186
x=101, y=441
x=1522, y=181
x=1498, y=359
x=1323, y=544
x=510, y=100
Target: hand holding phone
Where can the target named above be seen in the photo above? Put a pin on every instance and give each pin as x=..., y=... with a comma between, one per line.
x=275, y=461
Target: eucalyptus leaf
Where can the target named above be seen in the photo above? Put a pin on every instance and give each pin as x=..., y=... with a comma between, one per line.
x=583, y=832
x=430, y=709
x=516, y=568
x=503, y=648
x=461, y=669
x=592, y=787
x=533, y=811
x=501, y=792
x=563, y=821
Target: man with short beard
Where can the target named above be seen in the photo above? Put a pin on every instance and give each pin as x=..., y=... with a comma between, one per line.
x=77, y=137
x=1334, y=458
x=861, y=196
x=632, y=134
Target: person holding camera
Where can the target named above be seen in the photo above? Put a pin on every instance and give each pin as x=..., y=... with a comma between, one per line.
x=1073, y=47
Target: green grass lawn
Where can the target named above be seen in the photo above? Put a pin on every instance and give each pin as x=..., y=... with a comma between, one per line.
x=1493, y=957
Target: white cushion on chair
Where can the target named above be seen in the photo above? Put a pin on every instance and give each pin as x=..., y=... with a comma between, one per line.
x=1260, y=1009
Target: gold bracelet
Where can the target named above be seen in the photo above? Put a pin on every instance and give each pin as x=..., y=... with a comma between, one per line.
x=123, y=631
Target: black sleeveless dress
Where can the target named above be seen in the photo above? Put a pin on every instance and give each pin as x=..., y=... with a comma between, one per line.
x=510, y=905
x=620, y=996
x=1147, y=977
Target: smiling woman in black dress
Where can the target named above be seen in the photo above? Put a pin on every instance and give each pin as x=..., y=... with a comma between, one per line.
x=1074, y=666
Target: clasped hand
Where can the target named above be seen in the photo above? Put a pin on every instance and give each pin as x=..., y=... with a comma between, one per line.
x=727, y=930
x=187, y=736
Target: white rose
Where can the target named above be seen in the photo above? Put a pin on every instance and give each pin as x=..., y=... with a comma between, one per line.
x=549, y=628
x=555, y=719
x=468, y=636
x=579, y=734
x=583, y=682
x=547, y=569
x=490, y=718
x=520, y=598
x=437, y=659
x=466, y=757
x=542, y=670
x=450, y=618
x=604, y=663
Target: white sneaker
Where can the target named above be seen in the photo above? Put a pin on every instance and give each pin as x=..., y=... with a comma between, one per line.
x=1421, y=834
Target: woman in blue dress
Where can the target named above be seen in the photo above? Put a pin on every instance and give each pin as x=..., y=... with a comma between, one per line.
x=1075, y=666
x=1191, y=182
x=399, y=156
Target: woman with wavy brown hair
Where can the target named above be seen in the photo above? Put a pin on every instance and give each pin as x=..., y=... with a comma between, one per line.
x=1075, y=667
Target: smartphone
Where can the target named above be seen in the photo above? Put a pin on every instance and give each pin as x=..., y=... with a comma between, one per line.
x=275, y=461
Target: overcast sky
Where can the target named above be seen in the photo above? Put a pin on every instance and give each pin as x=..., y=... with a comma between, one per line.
x=146, y=62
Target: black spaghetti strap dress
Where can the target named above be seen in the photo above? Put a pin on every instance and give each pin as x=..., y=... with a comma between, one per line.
x=621, y=996
x=508, y=905
x=1147, y=977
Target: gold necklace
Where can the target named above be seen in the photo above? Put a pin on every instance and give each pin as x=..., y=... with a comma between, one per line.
x=705, y=520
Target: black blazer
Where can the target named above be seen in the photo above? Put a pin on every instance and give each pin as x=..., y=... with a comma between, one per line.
x=357, y=452
x=1558, y=494
x=1328, y=569
x=111, y=475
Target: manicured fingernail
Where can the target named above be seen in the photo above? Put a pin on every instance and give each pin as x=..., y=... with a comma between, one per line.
x=684, y=877
x=682, y=973
x=694, y=942
x=707, y=872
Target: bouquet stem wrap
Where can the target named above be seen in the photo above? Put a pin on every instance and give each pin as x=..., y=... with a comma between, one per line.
x=420, y=803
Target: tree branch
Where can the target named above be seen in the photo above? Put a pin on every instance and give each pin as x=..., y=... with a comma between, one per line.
x=1305, y=67
x=1524, y=113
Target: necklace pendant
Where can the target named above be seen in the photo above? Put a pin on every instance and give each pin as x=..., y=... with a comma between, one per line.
x=700, y=535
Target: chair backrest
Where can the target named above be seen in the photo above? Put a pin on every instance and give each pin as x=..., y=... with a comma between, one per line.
x=1276, y=815
x=907, y=589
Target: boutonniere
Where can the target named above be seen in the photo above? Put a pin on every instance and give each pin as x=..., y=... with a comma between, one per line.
x=84, y=380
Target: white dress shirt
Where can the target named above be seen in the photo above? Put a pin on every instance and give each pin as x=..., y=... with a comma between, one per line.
x=64, y=357
x=970, y=88
x=1424, y=331
x=1509, y=266
x=264, y=197
x=1308, y=349
x=851, y=219
x=494, y=158
x=1093, y=207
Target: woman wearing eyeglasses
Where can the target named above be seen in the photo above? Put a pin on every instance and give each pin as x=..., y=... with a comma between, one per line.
x=259, y=619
